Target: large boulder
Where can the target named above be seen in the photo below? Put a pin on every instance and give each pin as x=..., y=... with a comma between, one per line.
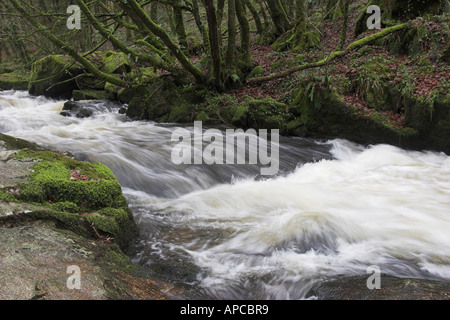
x=326, y=115
x=116, y=62
x=59, y=215
x=88, y=108
x=53, y=76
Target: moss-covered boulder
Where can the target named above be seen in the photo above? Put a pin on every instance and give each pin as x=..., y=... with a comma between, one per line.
x=324, y=114
x=57, y=212
x=88, y=94
x=163, y=100
x=80, y=195
x=266, y=114
x=116, y=62
x=89, y=82
x=53, y=76
x=83, y=197
x=432, y=120
x=14, y=81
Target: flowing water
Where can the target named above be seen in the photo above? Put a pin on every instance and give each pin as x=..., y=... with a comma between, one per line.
x=223, y=231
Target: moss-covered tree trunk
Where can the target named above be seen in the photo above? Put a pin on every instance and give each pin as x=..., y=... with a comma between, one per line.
x=231, y=48
x=245, y=34
x=179, y=26
x=255, y=15
x=138, y=13
x=279, y=16
x=214, y=44
x=303, y=36
x=200, y=25
x=343, y=37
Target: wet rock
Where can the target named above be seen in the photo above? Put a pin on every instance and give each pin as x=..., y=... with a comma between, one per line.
x=50, y=232
x=39, y=263
x=13, y=172
x=88, y=108
x=391, y=288
x=53, y=76
x=86, y=94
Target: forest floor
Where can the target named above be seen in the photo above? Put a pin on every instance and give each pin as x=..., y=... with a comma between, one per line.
x=422, y=76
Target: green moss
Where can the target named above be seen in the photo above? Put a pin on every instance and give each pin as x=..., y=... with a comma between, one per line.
x=4, y=196
x=267, y=114
x=51, y=180
x=14, y=81
x=17, y=144
x=116, y=62
x=240, y=117
x=116, y=259
x=49, y=76
x=205, y=118
x=181, y=113
x=90, y=95
x=65, y=207
x=257, y=71
x=113, y=222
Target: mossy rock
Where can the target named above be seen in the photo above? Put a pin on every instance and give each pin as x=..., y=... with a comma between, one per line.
x=53, y=76
x=88, y=82
x=90, y=95
x=267, y=114
x=14, y=81
x=77, y=194
x=182, y=114
x=432, y=121
x=257, y=71
x=240, y=117
x=142, y=76
x=163, y=100
x=205, y=118
x=52, y=180
x=325, y=115
x=116, y=62
x=11, y=143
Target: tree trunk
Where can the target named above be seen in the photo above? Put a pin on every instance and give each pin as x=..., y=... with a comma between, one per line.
x=279, y=16
x=231, y=48
x=343, y=37
x=245, y=33
x=162, y=34
x=254, y=12
x=179, y=27
x=60, y=44
x=214, y=44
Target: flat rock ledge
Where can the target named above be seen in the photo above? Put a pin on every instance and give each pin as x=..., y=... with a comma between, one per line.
x=50, y=251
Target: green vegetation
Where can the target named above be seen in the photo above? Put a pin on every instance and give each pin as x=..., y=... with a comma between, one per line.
x=81, y=196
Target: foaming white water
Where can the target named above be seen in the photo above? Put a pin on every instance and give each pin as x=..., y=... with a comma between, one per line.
x=379, y=206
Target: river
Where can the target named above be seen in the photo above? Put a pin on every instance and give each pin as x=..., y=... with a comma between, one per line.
x=225, y=232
